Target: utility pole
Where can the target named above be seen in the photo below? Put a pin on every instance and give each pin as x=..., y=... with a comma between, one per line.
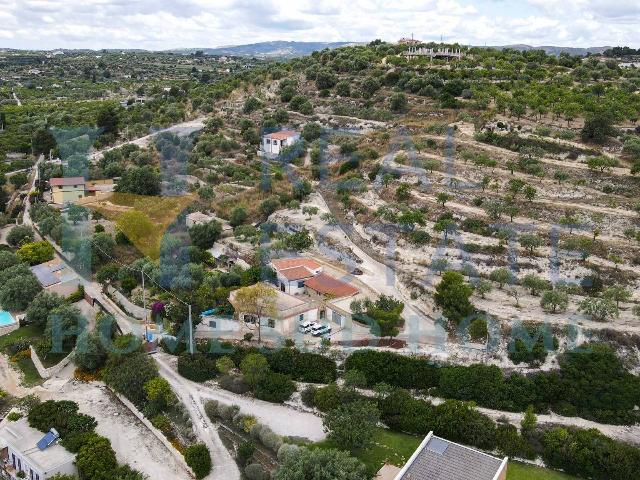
x=144, y=307
x=190, y=332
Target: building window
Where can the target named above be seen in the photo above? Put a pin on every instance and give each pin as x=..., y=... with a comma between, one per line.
x=301, y=284
x=271, y=323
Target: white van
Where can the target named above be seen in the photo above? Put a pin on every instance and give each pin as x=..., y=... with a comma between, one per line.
x=320, y=330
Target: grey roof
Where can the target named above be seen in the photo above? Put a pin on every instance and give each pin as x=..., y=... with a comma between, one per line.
x=439, y=459
x=45, y=274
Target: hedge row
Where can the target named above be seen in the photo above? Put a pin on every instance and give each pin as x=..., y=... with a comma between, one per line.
x=302, y=366
x=586, y=453
x=592, y=383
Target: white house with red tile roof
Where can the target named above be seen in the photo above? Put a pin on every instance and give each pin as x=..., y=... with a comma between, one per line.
x=304, y=277
x=272, y=143
x=292, y=273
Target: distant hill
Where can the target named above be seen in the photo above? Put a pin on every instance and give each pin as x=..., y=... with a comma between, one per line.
x=552, y=50
x=273, y=49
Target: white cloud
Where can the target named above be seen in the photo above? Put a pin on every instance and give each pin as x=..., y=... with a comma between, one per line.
x=163, y=24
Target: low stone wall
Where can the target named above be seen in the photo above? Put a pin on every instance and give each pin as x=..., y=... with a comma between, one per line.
x=51, y=371
x=158, y=434
x=131, y=308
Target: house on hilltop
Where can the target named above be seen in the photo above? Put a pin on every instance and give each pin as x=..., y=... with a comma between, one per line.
x=273, y=143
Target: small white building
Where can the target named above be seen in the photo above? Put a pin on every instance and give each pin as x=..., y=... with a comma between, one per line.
x=292, y=273
x=24, y=449
x=273, y=143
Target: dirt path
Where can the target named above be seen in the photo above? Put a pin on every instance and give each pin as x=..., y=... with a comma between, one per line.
x=381, y=277
x=224, y=466
x=15, y=97
x=183, y=128
x=10, y=379
x=282, y=419
x=130, y=438
x=623, y=433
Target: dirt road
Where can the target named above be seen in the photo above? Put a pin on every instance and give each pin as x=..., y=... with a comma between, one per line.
x=181, y=129
x=224, y=466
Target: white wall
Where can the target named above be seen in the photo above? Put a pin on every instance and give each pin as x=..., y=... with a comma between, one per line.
x=64, y=469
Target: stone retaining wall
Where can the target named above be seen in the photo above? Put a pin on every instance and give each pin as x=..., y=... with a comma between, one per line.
x=51, y=371
x=158, y=434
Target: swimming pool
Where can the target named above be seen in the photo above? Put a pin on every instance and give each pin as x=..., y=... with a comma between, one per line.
x=6, y=319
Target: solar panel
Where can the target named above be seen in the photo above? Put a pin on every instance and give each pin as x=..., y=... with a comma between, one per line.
x=48, y=439
x=437, y=445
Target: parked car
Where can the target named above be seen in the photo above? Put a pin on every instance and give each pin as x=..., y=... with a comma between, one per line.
x=306, y=327
x=356, y=271
x=320, y=330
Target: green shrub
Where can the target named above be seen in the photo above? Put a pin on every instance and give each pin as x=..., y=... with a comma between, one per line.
x=198, y=458
x=274, y=387
x=198, y=367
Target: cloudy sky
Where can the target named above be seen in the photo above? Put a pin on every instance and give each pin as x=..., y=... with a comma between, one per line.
x=165, y=24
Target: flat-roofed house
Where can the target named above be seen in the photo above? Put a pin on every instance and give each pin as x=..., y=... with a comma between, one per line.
x=440, y=459
x=56, y=277
x=28, y=453
x=273, y=143
x=293, y=272
x=67, y=189
x=290, y=312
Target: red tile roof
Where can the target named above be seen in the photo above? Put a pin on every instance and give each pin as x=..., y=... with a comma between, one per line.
x=284, y=263
x=327, y=285
x=296, y=273
x=282, y=135
x=59, y=182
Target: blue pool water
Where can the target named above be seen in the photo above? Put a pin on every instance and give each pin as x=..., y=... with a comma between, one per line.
x=6, y=319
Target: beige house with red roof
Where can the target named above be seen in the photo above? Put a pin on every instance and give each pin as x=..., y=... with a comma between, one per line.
x=273, y=143
x=67, y=189
x=291, y=310
x=304, y=278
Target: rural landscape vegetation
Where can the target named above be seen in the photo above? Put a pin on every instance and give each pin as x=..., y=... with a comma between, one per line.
x=484, y=203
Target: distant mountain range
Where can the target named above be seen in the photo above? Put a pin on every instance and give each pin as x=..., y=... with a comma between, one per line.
x=273, y=49
x=283, y=49
x=552, y=50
